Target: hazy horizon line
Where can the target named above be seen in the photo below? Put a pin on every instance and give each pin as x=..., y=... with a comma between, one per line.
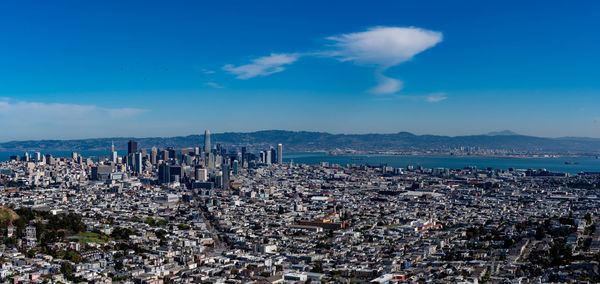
x=490, y=133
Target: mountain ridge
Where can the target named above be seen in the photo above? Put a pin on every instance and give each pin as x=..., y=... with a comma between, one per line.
x=322, y=141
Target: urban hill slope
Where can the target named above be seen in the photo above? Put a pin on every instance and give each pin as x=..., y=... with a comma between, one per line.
x=304, y=141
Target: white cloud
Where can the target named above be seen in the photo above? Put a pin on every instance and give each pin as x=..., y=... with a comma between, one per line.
x=262, y=66
x=386, y=85
x=213, y=85
x=383, y=46
x=23, y=119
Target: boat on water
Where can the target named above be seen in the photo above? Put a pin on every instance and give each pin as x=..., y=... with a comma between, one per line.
x=571, y=163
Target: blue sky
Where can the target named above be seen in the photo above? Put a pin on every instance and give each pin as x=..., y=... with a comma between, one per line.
x=75, y=69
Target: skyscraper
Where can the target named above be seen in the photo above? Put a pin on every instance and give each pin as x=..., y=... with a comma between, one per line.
x=138, y=163
x=279, y=153
x=153, y=154
x=206, y=141
x=268, y=157
x=131, y=147
x=113, y=153
x=164, y=174
x=113, y=156
x=226, y=176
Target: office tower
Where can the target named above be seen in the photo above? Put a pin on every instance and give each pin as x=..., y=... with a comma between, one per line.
x=279, y=153
x=201, y=174
x=131, y=147
x=243, y=155
x=153, y=154
x=38, y=156
x=165, y=155
x=196, y=151
x=131, y=161
x=268, y=157
x=273, y=155
x=114, y=157
x=73, y=155
x=49, y=159
x=186, y=159
x=138, y=163
x=164, y=174
x=176, y=173
x=112, y=146
x=235, y=167
x=173, y=154
x=226, y=176
x=206, y=141
x=210, y=162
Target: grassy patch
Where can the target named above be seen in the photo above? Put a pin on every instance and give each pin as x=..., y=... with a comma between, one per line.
x=7, y=216
x=90, y=237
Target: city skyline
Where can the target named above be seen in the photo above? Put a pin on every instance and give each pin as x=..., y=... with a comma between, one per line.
x=154, y=70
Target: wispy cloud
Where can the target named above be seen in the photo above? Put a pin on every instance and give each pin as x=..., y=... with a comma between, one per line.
x=436, y=97
x=26, y=109
x=386, y=85
x=381, y=47
x=28, y=118
x=121, y=112
x=213, y=85
x=262, y=66
x=430, y=98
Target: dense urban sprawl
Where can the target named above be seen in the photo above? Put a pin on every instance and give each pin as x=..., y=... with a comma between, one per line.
x=215, y=215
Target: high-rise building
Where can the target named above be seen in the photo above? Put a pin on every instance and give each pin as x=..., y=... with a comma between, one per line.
x=244, y=150
x=206, y=141
x=138, y=163
x=165, y=155
x=153, y=154
x=201, y=174
x=268, y=157
x=279, y=153
x=235, y=167
x=173, y=154
x=114, y=156
x=226, y=176
x=132, y=147
x=211, y=161
x=164, y=175
x=273, y=155
x=176, y=173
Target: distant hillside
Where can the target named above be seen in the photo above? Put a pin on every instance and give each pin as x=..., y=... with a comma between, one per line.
x=503, y=132
x=301, y=141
